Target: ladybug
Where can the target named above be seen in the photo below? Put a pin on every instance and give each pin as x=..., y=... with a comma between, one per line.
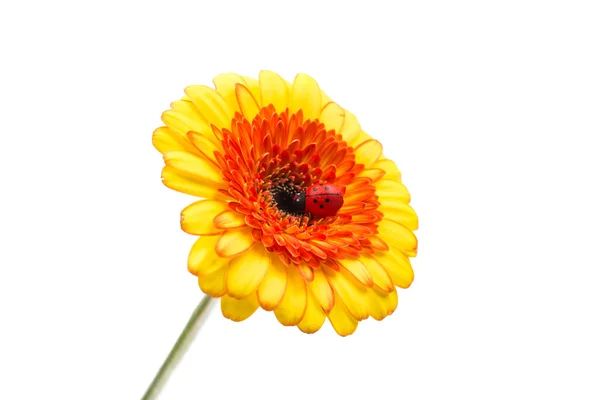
x=321, y=200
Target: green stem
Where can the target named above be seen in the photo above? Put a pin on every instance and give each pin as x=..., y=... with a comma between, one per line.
x=183, y=343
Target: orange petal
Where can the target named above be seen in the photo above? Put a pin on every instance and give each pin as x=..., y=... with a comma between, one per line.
x=359, y=195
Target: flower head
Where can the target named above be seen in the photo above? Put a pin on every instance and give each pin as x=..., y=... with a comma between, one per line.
x=250, y=149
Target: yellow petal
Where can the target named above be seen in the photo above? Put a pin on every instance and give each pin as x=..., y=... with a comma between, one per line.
x=391, y=191
x=397, y=266
x=254, y=87
x=400, y=213
x=322, y=290
x=247, y=102
x=203, y=144
x=306, y=272
x=341, y=320
x=247, y=271
x=194, y=166
x=291, y=309
x=358, y=270
x=225, y=86
x=196, y=218
x=324, y=98
x=272, y=288
x=203, y=259
x=332, y=116
x=306, y=96
x=382, y=304
x=229, y=219
x=238, y=309
x=374, y=174
x=381, y=278
x=398, y=236
x=391, y=170
x=215, y=283
x=351, y=292
x=165, y=140
x=211, y=105
x=273, y=90
x=234, y=241
x=313, y=317
x=184, y=117
x=360, y=138
x=351, y=127
x=368, y=152
x=176, y=180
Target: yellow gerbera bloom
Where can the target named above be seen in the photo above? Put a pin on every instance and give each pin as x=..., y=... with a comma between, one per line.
x=239, y=145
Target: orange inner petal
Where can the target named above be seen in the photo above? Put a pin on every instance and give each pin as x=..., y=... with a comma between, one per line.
x=278, y=152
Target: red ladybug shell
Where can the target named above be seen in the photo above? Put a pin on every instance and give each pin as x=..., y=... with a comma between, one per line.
x=323, y=200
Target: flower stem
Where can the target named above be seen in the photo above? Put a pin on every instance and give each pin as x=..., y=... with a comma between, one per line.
x=183, y=343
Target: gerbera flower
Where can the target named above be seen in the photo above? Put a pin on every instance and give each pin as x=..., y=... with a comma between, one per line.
x=248, y=148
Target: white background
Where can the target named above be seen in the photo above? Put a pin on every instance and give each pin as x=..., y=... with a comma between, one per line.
x=491, y=110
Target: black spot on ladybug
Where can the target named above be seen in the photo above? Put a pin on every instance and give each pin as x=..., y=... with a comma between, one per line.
x=321, y=206
x=327, y=200
x=315, y=189
x=320, y=184
x=326, y=187
x=315, y=200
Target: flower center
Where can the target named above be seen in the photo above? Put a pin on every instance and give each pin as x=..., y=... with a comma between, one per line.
x=269, y=162
x=289, y=199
